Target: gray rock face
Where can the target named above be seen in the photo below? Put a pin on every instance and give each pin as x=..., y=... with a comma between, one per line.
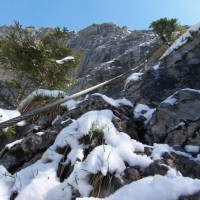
x=176, y=123
x=109, y=50
x=181, y=69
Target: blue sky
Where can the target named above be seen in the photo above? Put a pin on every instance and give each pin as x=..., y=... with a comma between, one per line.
x=78, y=14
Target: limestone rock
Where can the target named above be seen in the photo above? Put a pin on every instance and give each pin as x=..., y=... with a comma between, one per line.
x=109, y=50
x=176, y=122
x=28, y=151
x=181, y=69
x=131, y=174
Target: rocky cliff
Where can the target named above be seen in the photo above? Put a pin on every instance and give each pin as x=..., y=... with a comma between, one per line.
x=109, y=50
x=142, y=145
x=178, y=70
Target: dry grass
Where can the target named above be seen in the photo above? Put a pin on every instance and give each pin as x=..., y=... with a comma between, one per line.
x=94, y=138
x=63, y=170
x=38, y=102
x=100, y=183
x=95, y=135
x=157, y=54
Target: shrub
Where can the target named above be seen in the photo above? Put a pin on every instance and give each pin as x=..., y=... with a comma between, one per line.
x=32, y=63
x=167, y=29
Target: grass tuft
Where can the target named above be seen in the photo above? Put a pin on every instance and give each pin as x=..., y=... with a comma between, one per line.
x=100, y=183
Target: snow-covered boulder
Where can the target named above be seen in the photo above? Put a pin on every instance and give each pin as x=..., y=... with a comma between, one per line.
x=93, y=149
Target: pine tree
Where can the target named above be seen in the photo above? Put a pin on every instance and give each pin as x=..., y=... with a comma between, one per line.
x=165, y=28
x=33, y=63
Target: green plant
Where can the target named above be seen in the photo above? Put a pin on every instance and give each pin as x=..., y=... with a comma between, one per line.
x=9, y=131
x=95, y=135
x=95, y=131
x=167, y=29
x=32, y=63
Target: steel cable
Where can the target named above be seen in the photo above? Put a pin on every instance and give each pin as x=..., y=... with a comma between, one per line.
x=25, y=116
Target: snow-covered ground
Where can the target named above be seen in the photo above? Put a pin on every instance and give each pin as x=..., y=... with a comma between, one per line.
x=157, y=187
x=110, y=155
x=39, y=181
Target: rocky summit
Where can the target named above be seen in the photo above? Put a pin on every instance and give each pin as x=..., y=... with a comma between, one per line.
x=137, y=137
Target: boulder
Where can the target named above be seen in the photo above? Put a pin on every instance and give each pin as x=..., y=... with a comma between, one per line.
x=38, y=138
x=176, y=120
x=28, y=151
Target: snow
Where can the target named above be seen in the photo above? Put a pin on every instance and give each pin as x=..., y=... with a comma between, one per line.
x=36, y=127
x=134, y=77
x=150, y=38
x=9, y=114
x=155, y=188
x=179, y=125
x=182, y=39
x=40, y=133
x=145, y=111
x=62, y=61
x=124, y=101
x=115, y=103
x=170, y=100
x=6, y=182
x=159, y=149
x=108, y=100
x=192, y=148
x=71, y=104
x=104, y=158
x=43, y=93
x=191, y=90
x=157, y=66
x=13, y=143
x=55, y=120
x=39, y=181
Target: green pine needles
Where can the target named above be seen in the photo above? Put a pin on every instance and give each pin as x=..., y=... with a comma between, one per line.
x=167, y=29
x=31, y=62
